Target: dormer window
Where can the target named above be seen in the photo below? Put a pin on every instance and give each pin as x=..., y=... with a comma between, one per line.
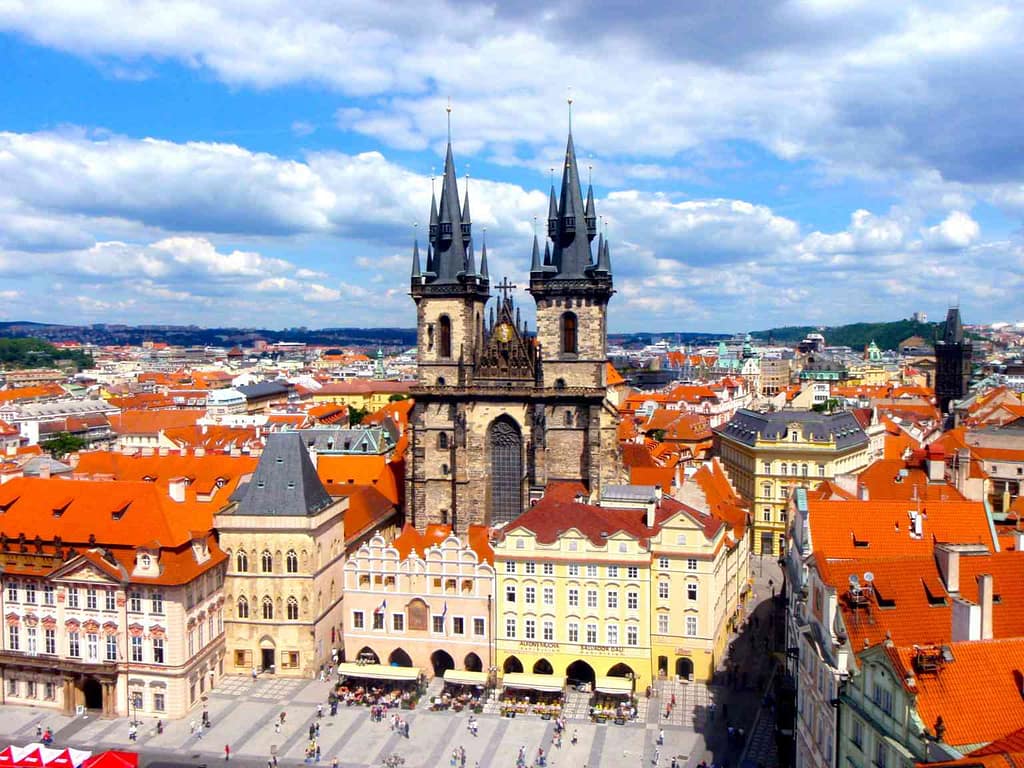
x=145, y=561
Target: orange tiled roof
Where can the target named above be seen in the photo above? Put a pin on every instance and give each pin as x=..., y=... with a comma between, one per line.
x=862, y=529
x=338, y=471
x=367, y=510
x=612, y=377
x=899, y=479
x=978, y=694
x=203, y=472
x=150, y=422
x=214, y=437
x=31, y=393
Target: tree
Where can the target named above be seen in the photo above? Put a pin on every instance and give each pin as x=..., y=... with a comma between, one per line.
x=356, y=415
x=63, y=444
x=397, y=398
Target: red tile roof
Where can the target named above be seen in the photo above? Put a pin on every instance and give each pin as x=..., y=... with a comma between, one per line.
x=149, y=422
x=977, y=695
x=858, y=529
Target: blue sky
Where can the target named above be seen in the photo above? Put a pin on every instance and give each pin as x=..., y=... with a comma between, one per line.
x=757, y=163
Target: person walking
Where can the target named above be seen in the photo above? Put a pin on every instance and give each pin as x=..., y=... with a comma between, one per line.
x=227, y=752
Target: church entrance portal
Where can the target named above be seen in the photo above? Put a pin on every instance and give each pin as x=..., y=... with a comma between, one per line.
x=506, y=446
x=92, y=692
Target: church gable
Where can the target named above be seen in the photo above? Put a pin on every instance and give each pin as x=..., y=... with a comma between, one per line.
x=507, y=352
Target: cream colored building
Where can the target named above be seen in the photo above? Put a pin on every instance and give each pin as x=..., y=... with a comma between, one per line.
x=111, y=603
x=424, y=600
x=285, y=541
x=769, y=454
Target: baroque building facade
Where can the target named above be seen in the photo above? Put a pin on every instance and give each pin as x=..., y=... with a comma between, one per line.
x=500, y=412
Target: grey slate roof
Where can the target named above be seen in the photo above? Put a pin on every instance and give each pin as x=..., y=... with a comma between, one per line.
x=264, y=389
x=285, y=482
x=746, y=425
x=346, y=439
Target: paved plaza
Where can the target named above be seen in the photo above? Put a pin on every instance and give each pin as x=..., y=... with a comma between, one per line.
x=243, y=713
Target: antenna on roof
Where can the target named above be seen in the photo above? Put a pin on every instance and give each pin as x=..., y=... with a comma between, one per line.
x=869, y=577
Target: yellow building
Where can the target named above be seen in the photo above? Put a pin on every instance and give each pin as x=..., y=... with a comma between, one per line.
x=572, y=592
x=768, y=454
x=643, y=584
x=367, y=394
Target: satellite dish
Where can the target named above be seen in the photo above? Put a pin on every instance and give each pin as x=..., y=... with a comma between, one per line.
x=869, y=577
x=853, y=581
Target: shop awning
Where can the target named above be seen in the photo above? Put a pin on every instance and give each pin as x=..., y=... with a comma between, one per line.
x=379, y=672
x=545, y=683
x=615, y=686
x=464, y=677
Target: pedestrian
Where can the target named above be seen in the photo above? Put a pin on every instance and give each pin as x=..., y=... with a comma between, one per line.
x=319, y=710
x=657, y=756
x=199, y=733
x=283, y=716
x=191, y=726
x=673, y=699
x=227, y=751
x=318, y=753
x=39, y=731
x=661, y=736
x=254, y=674
x=334, y=762
x=274, y=758
x=575, y=737
x=277, y=727
x=316, y=731
x=405, y=728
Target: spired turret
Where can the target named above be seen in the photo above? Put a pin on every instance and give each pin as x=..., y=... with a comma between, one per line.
x=451, y=265
x=572, y=286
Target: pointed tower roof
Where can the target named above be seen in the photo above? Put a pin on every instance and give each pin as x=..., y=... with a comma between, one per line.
x=416, y=259
x=465, y=204
x=604, y=258
x=571, y=253
x=285, y=483
x=591, y=212
x=954, y=330
x=470, y=259
x=535, y=263
x=483, y=258
x=547, y=254
x=448, y=242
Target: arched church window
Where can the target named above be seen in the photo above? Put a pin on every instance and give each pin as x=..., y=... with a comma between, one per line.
x=292, y=562
x=442, y=441
x=444, y=344
x=243, y=608
x=268, y=608
x=293, y=609
x=568, y=418
x=569, y=334
x=241, y=562
x=266, y=562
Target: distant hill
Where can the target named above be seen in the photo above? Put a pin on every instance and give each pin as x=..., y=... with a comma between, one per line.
x=855, y=335
x=36, y=353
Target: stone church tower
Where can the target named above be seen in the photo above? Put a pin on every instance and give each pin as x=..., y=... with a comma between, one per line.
x=499, y=412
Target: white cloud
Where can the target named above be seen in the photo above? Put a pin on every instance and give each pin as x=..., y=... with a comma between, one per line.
x=958, y=230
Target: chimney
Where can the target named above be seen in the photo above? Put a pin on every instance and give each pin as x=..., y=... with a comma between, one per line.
x=966, y=620
x=948, y=560
x=176, y=486
x=936, y=467
x=1018, y=540
x=44, y=469
x=985, y=600
x=963, y=468
x=862, y=493
x=200, y=451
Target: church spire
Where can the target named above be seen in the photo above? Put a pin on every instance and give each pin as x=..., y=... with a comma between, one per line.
x=483, y=258
x=466, y=222
x=590, y=214
x=416, y=260
x=552, y=209
x=535, y=263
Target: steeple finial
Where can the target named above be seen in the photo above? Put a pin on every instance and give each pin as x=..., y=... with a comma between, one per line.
x=448, y=109
x=416, y=253
x=570, y=108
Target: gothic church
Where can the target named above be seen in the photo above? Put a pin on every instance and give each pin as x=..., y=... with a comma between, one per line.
x=499, y=413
